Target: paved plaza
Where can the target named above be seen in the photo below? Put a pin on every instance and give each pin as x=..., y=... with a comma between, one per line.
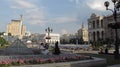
x=114, y=65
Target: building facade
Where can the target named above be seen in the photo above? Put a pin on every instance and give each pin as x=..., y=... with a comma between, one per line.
x=54, y=38
x=82, y=33
x=109, y=32
x=99, y=30
x=96, y=28
x=66, y=38
x=41, y=38
x=16, y=28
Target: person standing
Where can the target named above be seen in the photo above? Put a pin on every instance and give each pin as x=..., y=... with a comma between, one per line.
x=56, y=49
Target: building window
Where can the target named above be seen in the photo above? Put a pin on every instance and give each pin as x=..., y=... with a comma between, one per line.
x=90, y=35
x=97, y=23
x=98, y=35
x=112, y=34
x=93, y=24
x=101, y=23
x=93, y=36
x=89, y=25
x=102, y=34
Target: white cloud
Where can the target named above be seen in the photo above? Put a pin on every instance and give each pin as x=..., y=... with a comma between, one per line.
x=15, y=7
x=93, y=4
x=96, y=4
x=24, y=3
x=33, y=13
x=64, y=19
x=75, y=1
x=36, y=14
x=64, y=31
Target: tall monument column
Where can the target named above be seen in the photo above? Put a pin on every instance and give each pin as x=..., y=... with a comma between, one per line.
x=21, y=26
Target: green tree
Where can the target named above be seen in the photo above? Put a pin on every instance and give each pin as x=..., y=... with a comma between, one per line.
x=9, y=34
x=3, y=41
x=1, y=33
x=97, y=44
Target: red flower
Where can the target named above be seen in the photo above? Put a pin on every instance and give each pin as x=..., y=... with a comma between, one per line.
x=52, y=59
x=6, y=62
x=21, y=61
x=0, y=62
x=42, y=60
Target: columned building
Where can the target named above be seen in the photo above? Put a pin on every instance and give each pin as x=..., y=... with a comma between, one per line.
x=54, y=38
x=41, y=38
x=96, y=28
x=99, y=30
x=16, y=28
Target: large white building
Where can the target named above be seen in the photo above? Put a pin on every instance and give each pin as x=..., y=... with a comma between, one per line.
x=41, y=38
x=36, y=39
x=54, y=38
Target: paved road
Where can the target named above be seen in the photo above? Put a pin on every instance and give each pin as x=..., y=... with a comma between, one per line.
x=114, y=65
x=96, y=52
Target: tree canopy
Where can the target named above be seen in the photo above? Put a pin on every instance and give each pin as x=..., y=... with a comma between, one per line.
x=3, y=41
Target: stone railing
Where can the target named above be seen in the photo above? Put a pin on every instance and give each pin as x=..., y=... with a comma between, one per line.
x=13, y=57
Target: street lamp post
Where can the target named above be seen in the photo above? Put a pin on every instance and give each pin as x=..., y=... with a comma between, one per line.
x=48, y=30
x=116, y=8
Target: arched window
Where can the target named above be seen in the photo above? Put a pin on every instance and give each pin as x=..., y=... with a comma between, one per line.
x=101, y=23
x=98, y=35
x=93, y=36
x=97, y=23
x=102, y=34
x=93, y=24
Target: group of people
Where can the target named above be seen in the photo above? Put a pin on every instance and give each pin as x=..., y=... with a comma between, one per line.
x=44, y=48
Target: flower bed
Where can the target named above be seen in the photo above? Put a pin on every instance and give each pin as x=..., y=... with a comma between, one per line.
x=39, y=60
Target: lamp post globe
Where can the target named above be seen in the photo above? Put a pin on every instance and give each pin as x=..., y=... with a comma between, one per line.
x=118, y=5
x=106, y=4
x=114, y=1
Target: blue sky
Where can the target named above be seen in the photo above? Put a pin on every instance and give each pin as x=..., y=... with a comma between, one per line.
x=63, y=16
